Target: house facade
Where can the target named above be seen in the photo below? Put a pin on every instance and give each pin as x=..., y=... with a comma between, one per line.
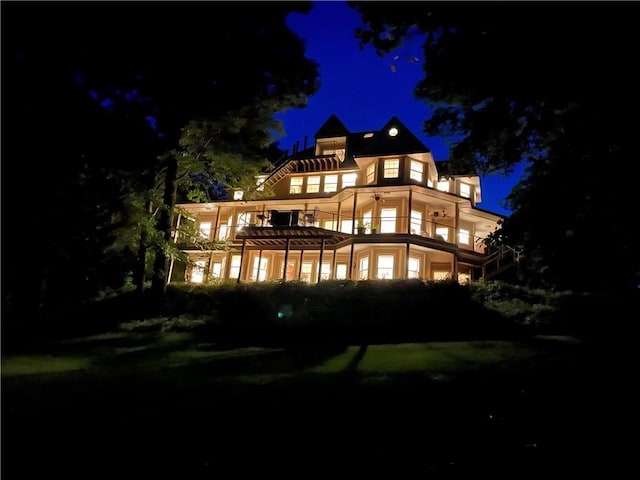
x=363, y=205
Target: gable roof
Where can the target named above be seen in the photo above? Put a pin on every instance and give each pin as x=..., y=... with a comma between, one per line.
x=363, y=144
x=333, y=127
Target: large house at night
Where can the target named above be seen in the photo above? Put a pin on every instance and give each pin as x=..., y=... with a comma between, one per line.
x=354, y=205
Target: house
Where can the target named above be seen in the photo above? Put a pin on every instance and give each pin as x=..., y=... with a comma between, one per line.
x=354, y=205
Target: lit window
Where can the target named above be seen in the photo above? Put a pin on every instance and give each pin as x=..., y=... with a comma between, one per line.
x=244, y=220
x=340, y=154
x=329, y=224
x=371, y=173
x=388, y=220
x=346, y=226
x=391, y=168
x=349, y=179
x=216, y=270
x=366, y=220
x=296, y=185
x=465, y=190
x=325, y=272
x=385, y=267
x=224, y=230
x=414, y=267
x=464, y=278
x=197, y=272
x=260, y=182
x=234, y=271
x=363, y=271
x=416, y=222
x=331, y=183
x=429, y=183
x=417, y=169
x=443, y=185
x=441, y=275
x=463, y=236
x=205, y=229
x=238, y=194
x=443, y=232
x=341, y=271
x=368, y=135
x=305, y=272
x=313, y=184
x=259, y=269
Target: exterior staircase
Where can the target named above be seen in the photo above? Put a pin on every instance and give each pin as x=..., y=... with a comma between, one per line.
x=500, y=261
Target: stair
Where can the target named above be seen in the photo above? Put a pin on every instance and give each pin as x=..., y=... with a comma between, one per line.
x=500, y=261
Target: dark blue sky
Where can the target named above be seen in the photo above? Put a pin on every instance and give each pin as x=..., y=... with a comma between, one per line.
x=364, y=90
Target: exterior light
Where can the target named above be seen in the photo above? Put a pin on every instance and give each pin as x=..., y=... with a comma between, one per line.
x=393, y=131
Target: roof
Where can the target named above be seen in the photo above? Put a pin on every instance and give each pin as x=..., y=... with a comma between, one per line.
x=382, y=143
x=333, y=127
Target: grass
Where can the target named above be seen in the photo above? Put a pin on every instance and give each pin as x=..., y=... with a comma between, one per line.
x=129, y=404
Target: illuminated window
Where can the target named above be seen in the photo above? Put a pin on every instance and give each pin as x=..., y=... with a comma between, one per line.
x=441, y=275
x=331, y=183
x=416, y=222
x=224, y=230
x=296, y=185
x=340, y=154
x=329, y=224
x=429, y=183
x=197, y=272
x=388, y=220
x=443, y=232
x=391, y=168
x=341, y=271
x=260, y=182
x=244, y=220
x=385, y=267
x=463, y=236
x=349, y=179
x=464, y=278
x=238, y=194
x=363, y=271
x=417, y=170
x=371, y=173
x=443, y=185
x=368, y=135
x=414, y=267
x=259, y=269
x=366, y=220
x=234, y=271
x=325, y=272
x=465, y=190
x=205, y=229
x=313, y=184
x=305, y=272
x=216, y=270
x=346, y=226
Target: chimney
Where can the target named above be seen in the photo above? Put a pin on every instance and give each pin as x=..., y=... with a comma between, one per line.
x=295, y=149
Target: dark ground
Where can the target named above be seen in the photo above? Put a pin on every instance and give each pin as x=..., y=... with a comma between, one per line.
x=568, y=418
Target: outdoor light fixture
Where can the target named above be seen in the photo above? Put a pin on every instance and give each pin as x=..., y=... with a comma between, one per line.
x=393, y=131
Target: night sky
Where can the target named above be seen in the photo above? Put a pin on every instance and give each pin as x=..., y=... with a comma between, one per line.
x=364, y=90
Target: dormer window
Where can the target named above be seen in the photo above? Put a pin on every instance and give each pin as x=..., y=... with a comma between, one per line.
x=371, y=173
x=391, y=168
x=443, y=185
x=417, y=169
x=465, y=190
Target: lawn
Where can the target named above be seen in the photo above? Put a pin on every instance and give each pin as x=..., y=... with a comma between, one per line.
x=131, y=404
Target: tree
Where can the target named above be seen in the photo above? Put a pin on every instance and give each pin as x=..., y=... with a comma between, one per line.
x=129, y=79
x=547, y=84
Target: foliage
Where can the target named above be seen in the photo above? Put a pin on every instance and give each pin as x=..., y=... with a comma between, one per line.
x=546, y=90
x=106, y=124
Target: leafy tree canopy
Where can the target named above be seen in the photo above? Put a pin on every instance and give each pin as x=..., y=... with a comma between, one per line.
x=553, y=84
